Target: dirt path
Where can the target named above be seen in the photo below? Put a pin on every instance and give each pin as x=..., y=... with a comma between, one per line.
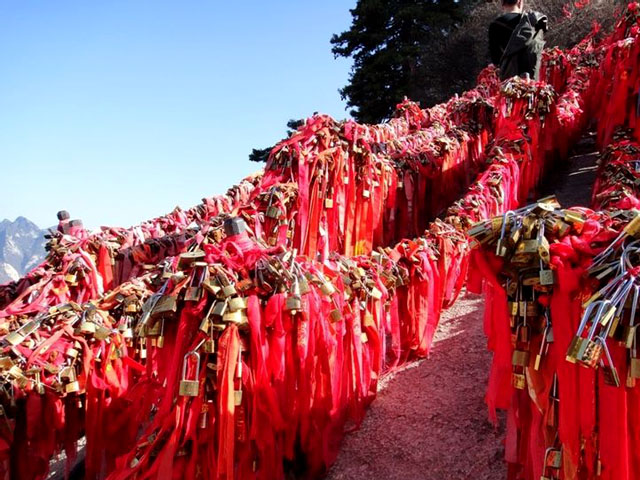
x=429, y=421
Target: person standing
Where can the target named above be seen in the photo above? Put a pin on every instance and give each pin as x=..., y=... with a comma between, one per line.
x=516, y=40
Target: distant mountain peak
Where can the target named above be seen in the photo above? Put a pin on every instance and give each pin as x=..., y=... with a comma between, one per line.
x=21, y=247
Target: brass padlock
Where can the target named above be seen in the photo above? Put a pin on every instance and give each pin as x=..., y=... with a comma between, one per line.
x=553, y=458
x=14, y=338
x=293, y=304
x=303, y=284
x=193, y=294
x=166, y=305
x=219, y=308
x=237, y=397
x=634, y=368
x=520, y=358
x=273, y=212
x=71, y=352
x=528, y=247
x=574, y=347
x=591, y=353
x=518, y=381
x=131, y=307
x=610, y=375
x=335, y=315
x=327, y=288
x=229, y=290
x=375, y=293
x=187, y=258
x=209, y=346
x=328, y=203
x=88, y=327
x=233, y=316
x=72, y=387
x=190, y=388
x=367, y=320
x=546, y=277
x=237, y=303
x=102, y=333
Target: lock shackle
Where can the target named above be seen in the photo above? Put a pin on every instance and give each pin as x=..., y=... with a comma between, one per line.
x=633, y=247
x=607, y=353
x=586, y=315
x=185, y=362
x=634, y=304
x=505, y=216
x=596, y=318
x=541, y=229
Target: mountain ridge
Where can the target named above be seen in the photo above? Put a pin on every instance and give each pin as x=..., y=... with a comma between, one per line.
x=21, y=247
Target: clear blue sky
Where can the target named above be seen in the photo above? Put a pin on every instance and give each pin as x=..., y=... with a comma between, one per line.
x=120, y=110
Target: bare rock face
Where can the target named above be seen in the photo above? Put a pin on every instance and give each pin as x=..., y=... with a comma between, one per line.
x=21, y=248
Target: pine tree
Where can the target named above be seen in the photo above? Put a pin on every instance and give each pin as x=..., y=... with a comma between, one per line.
x=386, y=41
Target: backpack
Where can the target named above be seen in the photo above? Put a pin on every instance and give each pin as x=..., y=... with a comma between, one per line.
x=524, y=50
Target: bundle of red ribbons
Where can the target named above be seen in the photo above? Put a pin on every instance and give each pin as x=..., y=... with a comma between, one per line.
x=241, y=338
x=562, y=290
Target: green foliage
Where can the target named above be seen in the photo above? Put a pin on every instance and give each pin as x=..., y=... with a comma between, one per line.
x=262, y=154
x=386, y=41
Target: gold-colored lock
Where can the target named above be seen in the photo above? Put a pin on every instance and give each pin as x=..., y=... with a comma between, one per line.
x=165, y=306
x=14, y=338
x=209, y=345
x=193, y=294
x=229, y=290
x=71, y=352
x=190, y=388
x=219, y=308
x=520, y=358
x=328, y=203
x=591, y=353
x=72, y=387
x=232, y=316
x=574, y=348
x=237, y=303
x=6, y=363
x=304, y=285
x=102, y=333
x=186, y=259
x=375, y=293
x=131, y=307
x=518, y=381
x=546, y=277
x=293, y=304
x=610, y=375
x=237, y=397
x=71, y=279
x=634, y=368
x=335, y=315
x=273, y=212
x=327, y=288
x=553, y=458
x=88, y=328
x=367, y=320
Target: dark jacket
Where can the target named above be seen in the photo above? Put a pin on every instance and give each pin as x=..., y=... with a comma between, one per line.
x=500, y=32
